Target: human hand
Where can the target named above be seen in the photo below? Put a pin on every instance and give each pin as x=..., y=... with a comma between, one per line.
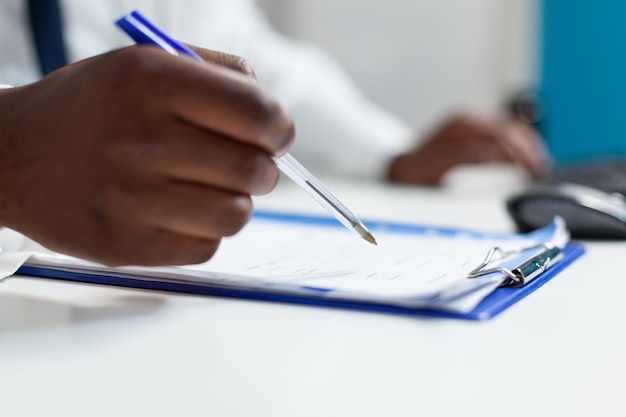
x=464, y=139
x=138, y=157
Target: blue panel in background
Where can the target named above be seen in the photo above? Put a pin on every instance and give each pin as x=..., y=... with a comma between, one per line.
x=584, y=78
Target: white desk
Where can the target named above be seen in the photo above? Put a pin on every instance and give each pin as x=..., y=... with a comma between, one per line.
x=70, y=349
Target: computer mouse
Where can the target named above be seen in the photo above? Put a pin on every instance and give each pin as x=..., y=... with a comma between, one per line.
x=588, y=212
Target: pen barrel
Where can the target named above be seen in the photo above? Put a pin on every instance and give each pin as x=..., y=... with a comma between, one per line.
x=309, y=183
x=142, y=31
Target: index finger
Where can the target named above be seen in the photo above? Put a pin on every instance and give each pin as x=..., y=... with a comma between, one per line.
x=217, y=99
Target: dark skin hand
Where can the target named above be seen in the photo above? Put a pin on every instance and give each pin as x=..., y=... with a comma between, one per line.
x=465, y=139
x=138, y=157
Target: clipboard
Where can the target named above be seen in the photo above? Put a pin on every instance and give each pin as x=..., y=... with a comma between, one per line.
x=519, y=282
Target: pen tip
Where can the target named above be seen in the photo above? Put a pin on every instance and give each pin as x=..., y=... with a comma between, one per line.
x=370, y=238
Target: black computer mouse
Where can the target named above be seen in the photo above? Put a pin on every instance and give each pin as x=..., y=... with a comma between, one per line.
x=589, y=213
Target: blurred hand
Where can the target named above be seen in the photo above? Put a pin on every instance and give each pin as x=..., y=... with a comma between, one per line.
x=463, y=140
x=137, y=156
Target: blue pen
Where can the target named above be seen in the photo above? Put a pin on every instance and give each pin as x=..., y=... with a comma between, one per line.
x=142, y=31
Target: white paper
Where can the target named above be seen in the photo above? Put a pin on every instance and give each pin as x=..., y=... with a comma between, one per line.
x=406, y=268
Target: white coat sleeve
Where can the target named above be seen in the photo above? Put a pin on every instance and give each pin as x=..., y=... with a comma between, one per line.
x=338, y=130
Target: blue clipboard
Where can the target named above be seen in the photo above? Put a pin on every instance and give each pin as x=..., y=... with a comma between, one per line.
x=494, y=304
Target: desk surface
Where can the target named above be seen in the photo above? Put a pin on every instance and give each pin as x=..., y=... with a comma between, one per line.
x=70, y=349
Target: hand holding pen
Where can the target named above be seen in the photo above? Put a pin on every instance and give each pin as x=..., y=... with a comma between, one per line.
x=143, y=31
x=100, y=166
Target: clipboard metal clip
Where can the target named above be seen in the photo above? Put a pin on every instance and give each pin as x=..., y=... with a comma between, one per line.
x=525, y=272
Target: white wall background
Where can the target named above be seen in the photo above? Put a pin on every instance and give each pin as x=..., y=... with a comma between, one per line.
x=422, y=58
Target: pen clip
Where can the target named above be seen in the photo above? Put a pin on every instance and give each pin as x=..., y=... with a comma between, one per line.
x=142, y=31
x=524, y=272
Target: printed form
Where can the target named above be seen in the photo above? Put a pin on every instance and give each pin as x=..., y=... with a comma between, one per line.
x=427, y=268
